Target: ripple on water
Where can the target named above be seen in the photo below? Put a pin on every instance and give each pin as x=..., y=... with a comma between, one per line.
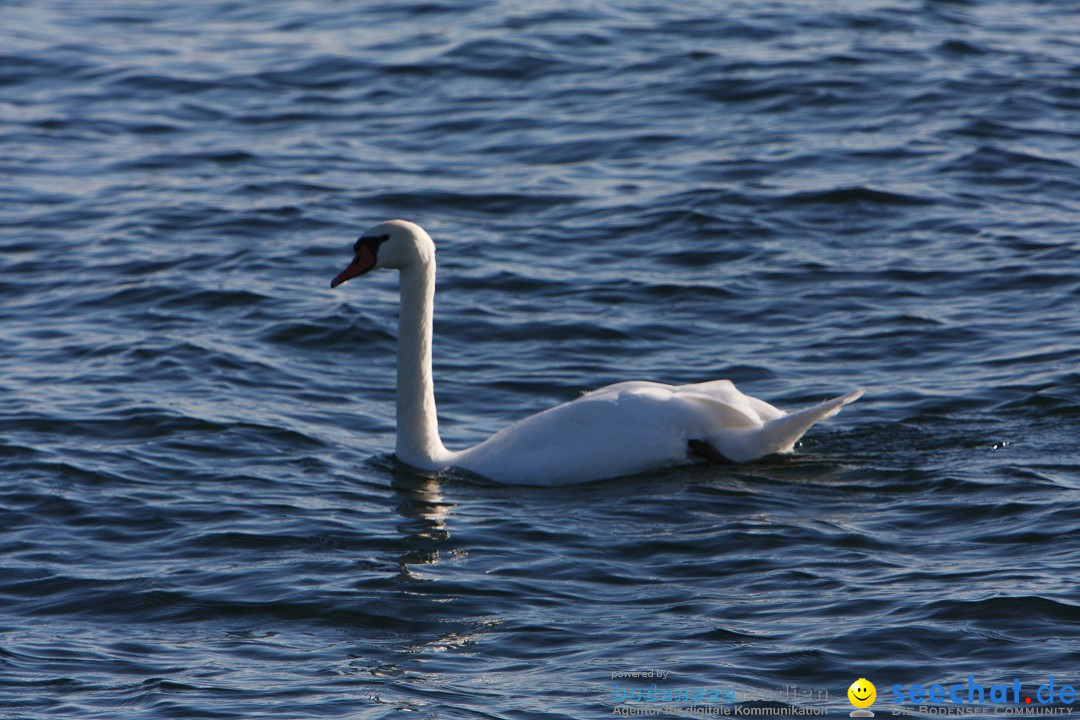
x=201, y=514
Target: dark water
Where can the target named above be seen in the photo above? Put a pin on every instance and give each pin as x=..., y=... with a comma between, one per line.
x=199, y=517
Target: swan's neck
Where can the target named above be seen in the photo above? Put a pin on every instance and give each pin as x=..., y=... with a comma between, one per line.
x=418, y=442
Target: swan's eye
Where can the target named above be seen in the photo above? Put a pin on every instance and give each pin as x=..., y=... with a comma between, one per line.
x=372, y=243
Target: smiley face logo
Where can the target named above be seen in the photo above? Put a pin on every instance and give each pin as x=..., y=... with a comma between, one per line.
x=862, y=693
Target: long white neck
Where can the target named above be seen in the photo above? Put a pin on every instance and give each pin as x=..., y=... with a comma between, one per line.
x=418, y=442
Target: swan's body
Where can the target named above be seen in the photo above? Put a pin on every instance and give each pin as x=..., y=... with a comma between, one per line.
x=621, y=429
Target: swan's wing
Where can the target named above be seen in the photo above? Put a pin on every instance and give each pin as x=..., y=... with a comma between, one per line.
x=725, y=392
x=719, y=398
x=639, y=387
x=778, y=434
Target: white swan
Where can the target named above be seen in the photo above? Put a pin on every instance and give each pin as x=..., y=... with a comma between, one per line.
x=621, y=429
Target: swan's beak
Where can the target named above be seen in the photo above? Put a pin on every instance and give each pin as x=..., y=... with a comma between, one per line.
x=363, y=262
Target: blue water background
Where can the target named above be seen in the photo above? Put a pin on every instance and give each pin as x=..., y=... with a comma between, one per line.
x=199, y=512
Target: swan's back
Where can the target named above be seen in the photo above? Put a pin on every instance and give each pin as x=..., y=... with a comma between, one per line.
x=618, y=430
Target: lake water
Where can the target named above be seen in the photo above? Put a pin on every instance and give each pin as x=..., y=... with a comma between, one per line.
x=200, y=514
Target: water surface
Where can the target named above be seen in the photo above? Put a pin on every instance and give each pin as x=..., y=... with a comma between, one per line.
x=200, y=515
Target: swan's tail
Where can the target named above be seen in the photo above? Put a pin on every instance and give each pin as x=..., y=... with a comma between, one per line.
x=780, y=434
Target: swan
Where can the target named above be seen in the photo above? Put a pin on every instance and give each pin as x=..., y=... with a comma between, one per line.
x=621, y=429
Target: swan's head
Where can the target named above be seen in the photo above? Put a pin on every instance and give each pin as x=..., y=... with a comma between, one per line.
x=395, y=244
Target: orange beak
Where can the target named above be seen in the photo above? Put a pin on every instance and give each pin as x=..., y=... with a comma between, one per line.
x=363, y=262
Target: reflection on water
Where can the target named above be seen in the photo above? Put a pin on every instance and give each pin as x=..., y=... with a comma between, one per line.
x=424, y=513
